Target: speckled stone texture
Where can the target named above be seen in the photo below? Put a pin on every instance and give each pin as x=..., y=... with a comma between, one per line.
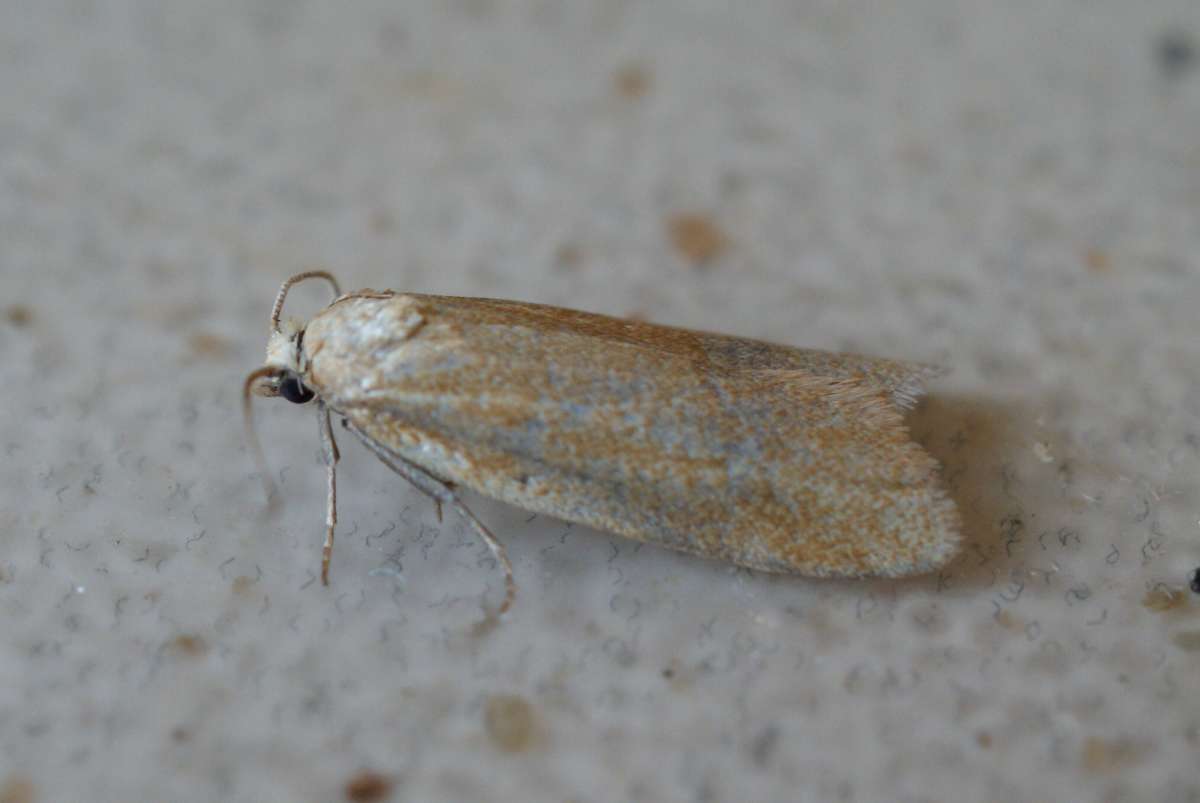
x=1012, y=190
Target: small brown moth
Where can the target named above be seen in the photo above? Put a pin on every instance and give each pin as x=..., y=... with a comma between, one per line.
x=775, y=458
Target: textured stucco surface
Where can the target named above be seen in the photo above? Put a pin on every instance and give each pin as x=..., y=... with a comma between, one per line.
x=1014, y=193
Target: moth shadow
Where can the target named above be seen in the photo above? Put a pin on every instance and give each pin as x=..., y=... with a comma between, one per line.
x=977, y=441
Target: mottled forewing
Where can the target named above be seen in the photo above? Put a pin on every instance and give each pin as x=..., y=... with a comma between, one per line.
x=769, y=457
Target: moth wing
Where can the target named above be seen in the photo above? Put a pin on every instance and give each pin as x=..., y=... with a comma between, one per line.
x=901, y=381
x=843, y=465
x=648, y=432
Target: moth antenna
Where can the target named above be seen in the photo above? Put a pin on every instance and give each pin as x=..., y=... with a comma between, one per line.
x=260, y=459
x=299, y=277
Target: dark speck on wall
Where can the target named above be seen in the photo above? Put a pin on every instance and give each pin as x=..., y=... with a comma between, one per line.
x=368, y=787
x=1176, y=53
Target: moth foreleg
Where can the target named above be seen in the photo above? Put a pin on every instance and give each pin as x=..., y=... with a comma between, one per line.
x=330, y=453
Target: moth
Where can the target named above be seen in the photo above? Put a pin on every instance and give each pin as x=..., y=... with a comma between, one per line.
x=774, y=458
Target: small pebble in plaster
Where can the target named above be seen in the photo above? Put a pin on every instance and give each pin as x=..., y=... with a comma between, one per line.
x=1188, y=641
x=1008, y=621
x=1160, y=599
x=209, y=346
x=17, y=789
x=632, y=81
x=382, y=222
x=1097, y=261
x=368, y=787
x=677, y=677
x=696, y=237
x=187, y=644
x=568, y=256
x=508, y=720
x=1106, y=755
x=18, y=315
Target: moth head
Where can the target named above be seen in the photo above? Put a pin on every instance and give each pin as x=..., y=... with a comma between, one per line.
x=281, y=374
x=286, y=365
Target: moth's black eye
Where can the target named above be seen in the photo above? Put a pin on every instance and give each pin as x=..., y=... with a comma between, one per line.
x=1195, y=584
x=295, y=391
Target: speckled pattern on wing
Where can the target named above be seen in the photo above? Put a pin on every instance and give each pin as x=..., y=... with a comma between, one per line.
x=770, y=457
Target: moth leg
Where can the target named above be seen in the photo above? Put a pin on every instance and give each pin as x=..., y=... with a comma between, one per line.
x=496, y=548
x=437, y=503
x=329, y=451
x=444, y=492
